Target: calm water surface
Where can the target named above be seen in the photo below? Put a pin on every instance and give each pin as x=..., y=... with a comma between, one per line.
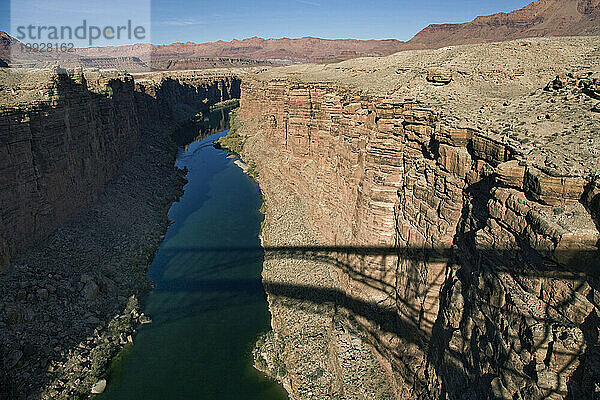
x=207, y=307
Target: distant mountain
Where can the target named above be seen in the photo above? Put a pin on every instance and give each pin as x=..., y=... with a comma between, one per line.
x=307, y=49
x=14, y=52
x=6, y=42
x=236, y=53
x=540, y=18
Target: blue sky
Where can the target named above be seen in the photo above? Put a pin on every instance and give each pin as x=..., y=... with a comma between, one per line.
x=202, y=21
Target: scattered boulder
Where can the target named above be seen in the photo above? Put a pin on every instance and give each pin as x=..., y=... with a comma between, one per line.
x=90, y=290
x=591, y=87
x=99, y=387
x=13, y=358
x=13, y=315
x=556, y=84
x=440, y=76
x=43, y=294
x=21, y=295
x=144, y=319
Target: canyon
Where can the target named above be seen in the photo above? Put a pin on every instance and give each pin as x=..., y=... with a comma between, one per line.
x=87, y=179
x=431, y=226
x=64, y=135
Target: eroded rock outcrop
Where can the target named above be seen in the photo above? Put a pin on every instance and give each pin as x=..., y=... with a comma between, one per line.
x=413, y=250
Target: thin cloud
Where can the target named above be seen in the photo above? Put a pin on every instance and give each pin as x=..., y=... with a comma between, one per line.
x=181, y=22
x=310, y=3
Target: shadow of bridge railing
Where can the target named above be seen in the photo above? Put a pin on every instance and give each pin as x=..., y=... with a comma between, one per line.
x=579, y=267
x=576, y=266
x=563, y=264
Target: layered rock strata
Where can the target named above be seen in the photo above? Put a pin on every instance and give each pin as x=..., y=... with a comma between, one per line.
x=183, y=94
x=66, y=305
x=57, y=154
x=429, y=239
x=541, y=18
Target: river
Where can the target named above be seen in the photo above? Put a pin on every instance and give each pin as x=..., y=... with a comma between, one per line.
x=208, y=306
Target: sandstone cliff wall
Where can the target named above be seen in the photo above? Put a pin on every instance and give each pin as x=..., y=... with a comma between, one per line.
x=58, y=152
x=468, y=270
x=181, y=95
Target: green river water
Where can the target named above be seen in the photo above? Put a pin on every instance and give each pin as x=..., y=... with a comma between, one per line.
x=208, y=305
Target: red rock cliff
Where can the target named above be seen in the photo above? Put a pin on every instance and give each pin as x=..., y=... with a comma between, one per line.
x=539, y=18
x=409, y=256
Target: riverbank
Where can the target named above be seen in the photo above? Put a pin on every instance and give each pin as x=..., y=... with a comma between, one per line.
x=88, y=179
x=313, y=350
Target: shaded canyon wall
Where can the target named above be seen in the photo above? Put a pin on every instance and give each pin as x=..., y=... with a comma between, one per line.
x=58, y=152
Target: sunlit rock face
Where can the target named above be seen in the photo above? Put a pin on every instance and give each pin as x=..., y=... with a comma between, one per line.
x=411, y=255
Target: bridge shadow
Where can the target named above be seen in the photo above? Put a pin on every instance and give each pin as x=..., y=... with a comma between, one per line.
x=405, y=319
